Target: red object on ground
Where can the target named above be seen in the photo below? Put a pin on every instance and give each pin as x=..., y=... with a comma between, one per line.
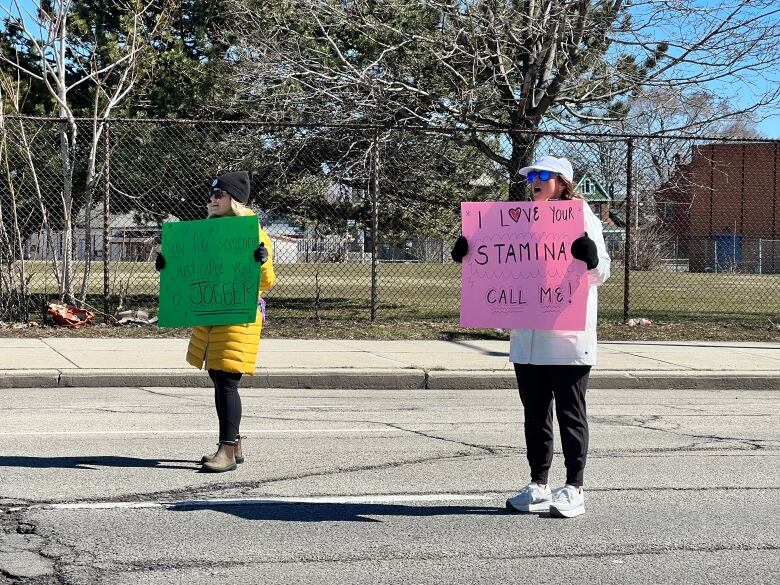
x=69, y=316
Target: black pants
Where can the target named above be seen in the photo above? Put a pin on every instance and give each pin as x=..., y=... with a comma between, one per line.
x=228, y=404
x=566, y=385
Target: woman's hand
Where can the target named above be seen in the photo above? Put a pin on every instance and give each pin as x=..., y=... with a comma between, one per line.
x=460, y=249
x=583, y=248
x=159, y=262
x=261, y=254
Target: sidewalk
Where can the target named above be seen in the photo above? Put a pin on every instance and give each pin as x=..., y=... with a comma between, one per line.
x=312, y=363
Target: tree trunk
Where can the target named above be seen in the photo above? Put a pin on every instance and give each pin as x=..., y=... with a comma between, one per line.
x=92, y=177
x=68, y=136
x=67, y=151
x=523, y=147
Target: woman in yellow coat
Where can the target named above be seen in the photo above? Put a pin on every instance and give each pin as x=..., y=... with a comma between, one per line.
x=229, y=351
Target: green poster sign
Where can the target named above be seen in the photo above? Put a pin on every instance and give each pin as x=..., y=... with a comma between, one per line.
x=210, y=275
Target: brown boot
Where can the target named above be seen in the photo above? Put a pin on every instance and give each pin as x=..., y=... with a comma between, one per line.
x=224, y=460
x=239, y=452
x=209, y=456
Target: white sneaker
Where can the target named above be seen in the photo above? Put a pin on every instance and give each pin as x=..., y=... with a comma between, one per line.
x=531, y=498
x=568, y=502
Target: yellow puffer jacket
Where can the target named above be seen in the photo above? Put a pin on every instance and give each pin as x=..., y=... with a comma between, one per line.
x=232, y=348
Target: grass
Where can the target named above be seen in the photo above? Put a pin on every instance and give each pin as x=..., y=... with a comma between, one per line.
x=421, y=301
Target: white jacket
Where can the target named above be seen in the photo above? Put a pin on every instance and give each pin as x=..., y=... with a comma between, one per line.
x=567, y=348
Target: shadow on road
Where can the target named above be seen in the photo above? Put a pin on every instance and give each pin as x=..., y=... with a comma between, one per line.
x=333, y=512
x=465, y=343
x=93, y=462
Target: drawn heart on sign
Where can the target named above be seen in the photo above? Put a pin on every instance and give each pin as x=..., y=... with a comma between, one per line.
x=515, y=214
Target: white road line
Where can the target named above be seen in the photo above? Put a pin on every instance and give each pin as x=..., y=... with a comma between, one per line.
x=201, y=432
x=227, y=502
x=309, y=407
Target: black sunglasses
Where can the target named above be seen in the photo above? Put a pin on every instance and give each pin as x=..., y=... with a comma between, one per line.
x=217, y=193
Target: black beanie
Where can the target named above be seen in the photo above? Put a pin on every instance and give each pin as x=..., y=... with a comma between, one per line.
x=235, y=183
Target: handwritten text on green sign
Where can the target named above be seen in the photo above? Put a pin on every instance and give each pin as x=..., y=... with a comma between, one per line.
x=210, y=276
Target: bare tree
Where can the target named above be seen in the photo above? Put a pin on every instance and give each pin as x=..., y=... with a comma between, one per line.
x=66, y=67
x=13, y=278
x=672, y=124
x=676, y=122
x=509, y=67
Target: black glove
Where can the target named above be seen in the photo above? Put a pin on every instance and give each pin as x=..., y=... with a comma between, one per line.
x=460, y=249
x=159, y=262
x=261, y=254
x=583, y=248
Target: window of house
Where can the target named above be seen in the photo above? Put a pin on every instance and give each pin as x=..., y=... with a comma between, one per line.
x=668, y=210
x=587, y=186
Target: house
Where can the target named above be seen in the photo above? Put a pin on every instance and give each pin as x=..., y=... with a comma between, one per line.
x=598, y=198
x=129, y=239
x=285, y=236
x=723, y=204
x=133, y=240
x=602, y=203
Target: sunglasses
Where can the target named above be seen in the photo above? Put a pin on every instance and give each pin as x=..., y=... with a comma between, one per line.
x=543, y=175
x=215, y=193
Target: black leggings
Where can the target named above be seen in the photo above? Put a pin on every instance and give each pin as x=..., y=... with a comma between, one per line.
x=228, y=404
x=567, y=385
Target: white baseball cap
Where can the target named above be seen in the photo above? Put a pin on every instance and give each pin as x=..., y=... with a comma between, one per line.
x=560, y=166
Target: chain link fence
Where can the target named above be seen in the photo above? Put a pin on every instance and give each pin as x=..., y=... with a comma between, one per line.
x=362, y=219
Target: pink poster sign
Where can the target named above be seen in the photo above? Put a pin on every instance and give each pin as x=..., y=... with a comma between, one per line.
x=519, y=272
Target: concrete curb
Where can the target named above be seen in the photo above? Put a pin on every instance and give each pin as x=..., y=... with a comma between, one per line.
x=375, y=379
x=90, y=378
x=410, y=379
x=29, y=378
x=471, y=379
x=687, y=381
x=399, y=379
x=640, y=380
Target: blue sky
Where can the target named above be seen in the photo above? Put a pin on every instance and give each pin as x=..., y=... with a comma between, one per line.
x=771, y=127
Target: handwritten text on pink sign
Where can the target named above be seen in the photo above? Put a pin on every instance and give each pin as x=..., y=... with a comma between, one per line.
x=519, y=272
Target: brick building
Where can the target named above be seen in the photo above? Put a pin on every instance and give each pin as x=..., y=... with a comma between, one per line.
x=723, y=206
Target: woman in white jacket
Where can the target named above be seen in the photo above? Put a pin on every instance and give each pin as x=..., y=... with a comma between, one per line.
x=553, y=366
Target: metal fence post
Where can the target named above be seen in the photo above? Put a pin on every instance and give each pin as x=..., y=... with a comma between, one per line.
x=106, y=231
x=374, y=225
x=715, y=255
x=676, y=253
x=627, y=250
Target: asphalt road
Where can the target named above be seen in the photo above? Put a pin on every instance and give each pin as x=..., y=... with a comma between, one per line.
x=342, y=486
